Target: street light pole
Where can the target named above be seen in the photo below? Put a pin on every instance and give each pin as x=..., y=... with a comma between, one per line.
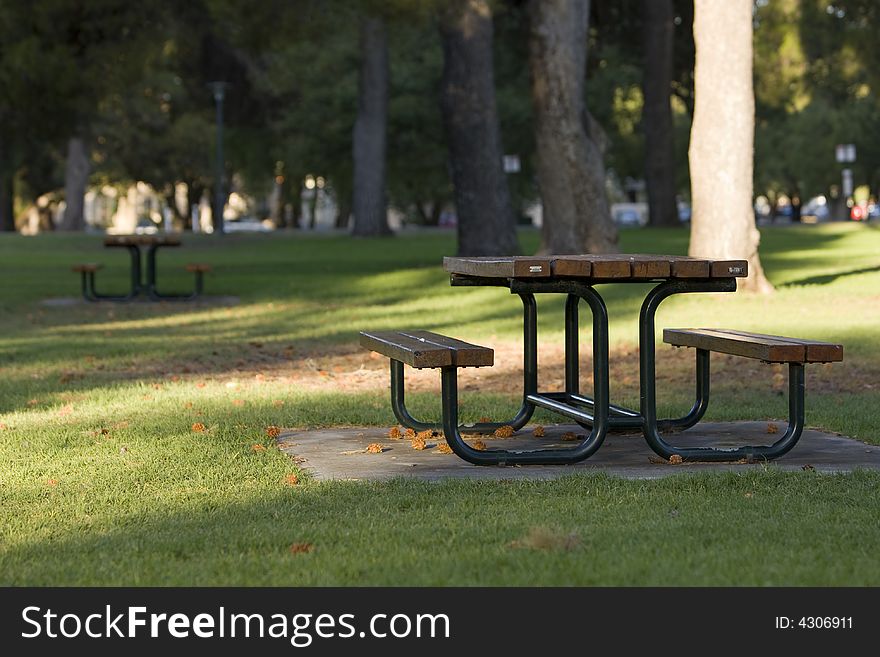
x=219, y=89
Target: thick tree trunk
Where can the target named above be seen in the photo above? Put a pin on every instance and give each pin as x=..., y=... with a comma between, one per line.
x=486, y=224
x=722, y=138
x=7, y=216
x=571, y=173
x=370, y=128
x=76, y=178
x=7, y=210
x=657, y=114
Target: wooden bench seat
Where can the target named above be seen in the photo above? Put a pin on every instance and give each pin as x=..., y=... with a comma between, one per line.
x=421, y=349
x=768, y=348
x=87, y=267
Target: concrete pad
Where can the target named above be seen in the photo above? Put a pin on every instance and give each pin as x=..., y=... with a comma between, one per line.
x=340, y=453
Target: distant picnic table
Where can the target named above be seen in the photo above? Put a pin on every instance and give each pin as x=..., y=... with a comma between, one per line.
x=142, y=284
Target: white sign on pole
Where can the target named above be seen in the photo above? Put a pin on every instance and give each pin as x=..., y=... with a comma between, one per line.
x=845, y=153
x=847, y=182
x=511, y=164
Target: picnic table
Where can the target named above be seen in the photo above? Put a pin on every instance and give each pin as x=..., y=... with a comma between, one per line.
x=143, y=283
x=577, y=277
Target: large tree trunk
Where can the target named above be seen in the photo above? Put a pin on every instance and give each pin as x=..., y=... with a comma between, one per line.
x=7, y=217
x=486, y=224
x=370, y=127
x=722, y=137
x=657, y=113
x=76, y=178
x=571, y=172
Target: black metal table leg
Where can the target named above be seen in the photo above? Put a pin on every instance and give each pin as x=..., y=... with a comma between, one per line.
x=530, y=382
x=134, y=277
x=152, y=286
x=648, y=386
x=586, y=448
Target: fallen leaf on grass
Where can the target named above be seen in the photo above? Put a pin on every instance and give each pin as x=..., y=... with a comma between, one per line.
x=544, y=538
x=444, y=448
x=809, y=468
x=291, y=480
x=201, y=384
x=374, y=448
x=33, y=402
x=52, y=482
x=238, y=402
x=569, y=435
x=484, y=419
x=418, y=443
x=198, y=427
x=479, y=445
x=3, y=427
x=772, y=428
x=123, y=450
x=301, y=548
x=539, y=431
x=749, y=494
x=257, y=447
x=504, y=432
x=277, y=403
x=65, y=410
x=232, y=384
x=273, y=431
x=394, y=433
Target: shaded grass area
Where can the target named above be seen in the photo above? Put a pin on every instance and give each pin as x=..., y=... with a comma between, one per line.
x=104, y=481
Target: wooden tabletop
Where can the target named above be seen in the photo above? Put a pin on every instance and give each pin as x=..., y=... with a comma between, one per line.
x=142, y=240
x=620, y=267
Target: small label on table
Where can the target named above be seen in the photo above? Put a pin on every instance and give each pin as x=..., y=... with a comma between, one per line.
x=535, y=269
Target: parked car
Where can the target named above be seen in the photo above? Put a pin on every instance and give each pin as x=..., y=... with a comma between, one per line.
x=630, y=215
x=815, y=210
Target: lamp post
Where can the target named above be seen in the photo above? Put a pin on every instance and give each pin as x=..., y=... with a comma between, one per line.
x=219, y=90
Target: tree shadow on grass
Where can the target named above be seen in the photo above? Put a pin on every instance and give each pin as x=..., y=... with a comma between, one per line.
x=825, y=279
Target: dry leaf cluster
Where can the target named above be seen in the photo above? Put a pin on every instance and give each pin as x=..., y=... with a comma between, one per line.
x=539, y=431
x=504, y=432
x=374, y=448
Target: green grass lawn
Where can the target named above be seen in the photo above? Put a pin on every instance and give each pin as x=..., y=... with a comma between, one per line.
x=104, y=482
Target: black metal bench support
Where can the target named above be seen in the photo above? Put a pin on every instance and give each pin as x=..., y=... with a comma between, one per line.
x=152, y=287
x=530, y=382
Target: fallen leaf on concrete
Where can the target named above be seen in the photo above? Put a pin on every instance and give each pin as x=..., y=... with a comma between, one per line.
x=675, y=459
x=772, y=428
x=374, y=448
x=539, y=431
x=418, y=443
x=444, y=448
x=569, y=435
x=504, y=432
x=410, y=433
x=479, y=445
x=394, y=433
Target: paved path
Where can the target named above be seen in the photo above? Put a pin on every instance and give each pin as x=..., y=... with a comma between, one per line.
x=340, y=453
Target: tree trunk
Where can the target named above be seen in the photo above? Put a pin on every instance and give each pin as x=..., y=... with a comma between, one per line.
x=722, y=138
x=76, y=178
x=370, y=128
x=7, y=209
x=571, y=172
x=657, y=113
x=486, y=224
